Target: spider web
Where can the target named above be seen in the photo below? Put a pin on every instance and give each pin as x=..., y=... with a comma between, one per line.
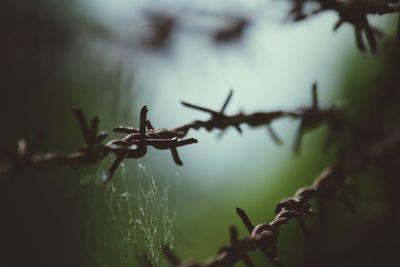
x=128, y=219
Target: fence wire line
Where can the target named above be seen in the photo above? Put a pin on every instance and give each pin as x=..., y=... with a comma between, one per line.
x=354, y=12
x=137, y=140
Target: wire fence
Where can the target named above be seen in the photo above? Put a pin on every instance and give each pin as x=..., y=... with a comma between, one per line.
x=331, y=185
x=136, y=140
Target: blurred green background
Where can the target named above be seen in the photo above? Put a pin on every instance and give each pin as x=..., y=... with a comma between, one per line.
x=59, y=54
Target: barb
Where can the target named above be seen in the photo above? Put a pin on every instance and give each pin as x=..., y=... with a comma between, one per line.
x=313, y=117
x=134, y=145
x=354, y=12
x=218, y=117
x=228, y=255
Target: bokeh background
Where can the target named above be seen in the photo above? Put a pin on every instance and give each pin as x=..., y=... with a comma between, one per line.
x=102, y=56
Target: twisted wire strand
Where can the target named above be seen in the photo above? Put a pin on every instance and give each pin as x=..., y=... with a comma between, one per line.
x=331, y=185
x=354, y=12
x=136, y=140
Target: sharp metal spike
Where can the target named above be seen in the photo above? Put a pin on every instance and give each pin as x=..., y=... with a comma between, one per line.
x=113, y=168
x=226, y=101
x=188, y=105
x=273, y=135
x=314, y=92
x=175, y=156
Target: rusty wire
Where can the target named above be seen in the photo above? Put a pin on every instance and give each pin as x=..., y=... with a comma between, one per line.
x=136, y=140
x=329, y=185
x=132, y=146
x=332, y=184
x=354, y=12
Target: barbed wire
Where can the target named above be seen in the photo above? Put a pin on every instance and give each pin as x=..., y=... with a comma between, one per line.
x=330, y=184
x=354, y=12
x=93, y=150
x=333, y=184
x=374, y=147
x=134, y=144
